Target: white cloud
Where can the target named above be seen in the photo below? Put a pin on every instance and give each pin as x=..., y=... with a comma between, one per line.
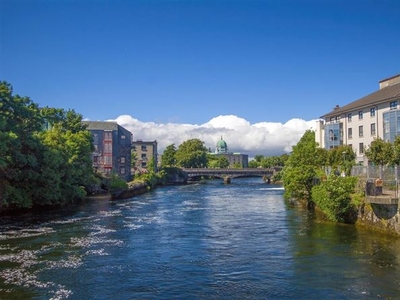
x=265, y=138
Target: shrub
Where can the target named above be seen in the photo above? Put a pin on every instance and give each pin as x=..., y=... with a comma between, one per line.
x=333, y=197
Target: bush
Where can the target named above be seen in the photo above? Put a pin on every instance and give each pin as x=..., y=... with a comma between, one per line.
x=333, y=197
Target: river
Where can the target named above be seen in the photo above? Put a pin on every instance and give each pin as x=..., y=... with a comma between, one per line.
x=197, y=241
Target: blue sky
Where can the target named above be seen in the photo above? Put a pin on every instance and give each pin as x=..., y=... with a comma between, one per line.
x=188, y=62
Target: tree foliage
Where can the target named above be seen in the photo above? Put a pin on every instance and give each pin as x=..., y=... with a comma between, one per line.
x=301, y=168
x=217, y=161
x=268, y=161
x=342, y=157
x=380, y=152
x=39, y=166
x=168, y=157
x=333, y=197
x=191, y=154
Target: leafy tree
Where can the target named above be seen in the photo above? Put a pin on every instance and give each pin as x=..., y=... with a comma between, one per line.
x=253, y=164
x=380, y=152
x=333, y=196
x=223, y=162
x=237, y=165
x=191, y=154
x=258, y=158
x=70, y=145
x=134, y=157
x=168, y=156
x=39, y=166
x=342, y=157
x=19, y=121
x=151, y=166
x=301, y=169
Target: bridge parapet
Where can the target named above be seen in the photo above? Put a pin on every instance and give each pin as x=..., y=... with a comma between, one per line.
x=231, y=173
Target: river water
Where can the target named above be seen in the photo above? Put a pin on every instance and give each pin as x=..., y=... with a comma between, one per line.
x=198, y=241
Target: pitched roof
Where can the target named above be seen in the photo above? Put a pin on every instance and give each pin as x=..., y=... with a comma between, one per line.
x=383, y=95
x=98, y=125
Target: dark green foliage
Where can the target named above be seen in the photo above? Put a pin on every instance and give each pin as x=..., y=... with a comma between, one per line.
x=41, y=165
x=168, y=156
x=116, y=185
x=302, y=168
x=217, y=161
x=333, y=197
x=191, y=154
x=380, y=152
x=268, y=161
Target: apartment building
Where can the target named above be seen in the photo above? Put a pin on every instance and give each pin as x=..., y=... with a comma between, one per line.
x=358, y=123
x=145, y=151
x=112, y=148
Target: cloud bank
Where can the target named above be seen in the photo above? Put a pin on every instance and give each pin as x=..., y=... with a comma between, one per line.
x=264, y=138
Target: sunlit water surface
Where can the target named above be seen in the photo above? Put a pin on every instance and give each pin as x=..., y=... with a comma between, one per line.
x=200, y=241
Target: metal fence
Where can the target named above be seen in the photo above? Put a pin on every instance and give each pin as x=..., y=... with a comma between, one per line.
x=379, y=181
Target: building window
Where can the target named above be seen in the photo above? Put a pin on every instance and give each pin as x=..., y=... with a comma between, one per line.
x=122, y=160
x=108, y=135
x=361, y=148
x=360, y=131
x=144, y=155
x=134, y=148
x=144, y=148
x=360, y=115
x=122, y=171
x=393, y=105
x=373, y=129
x=350, y=133
x=372, y=112
x=107, y=147
x=122, y=137
x=349, y=117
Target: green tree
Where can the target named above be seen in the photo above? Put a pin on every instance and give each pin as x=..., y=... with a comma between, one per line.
x=223, y=162
x=380, y=152
x=253, y=164
x=191, y=154
x=168, y=157
x=333, y=197
x=19, y=168
x=38, y=166
x=301, y=169
x=258, y=158
x=341, y=158
x=69, y=142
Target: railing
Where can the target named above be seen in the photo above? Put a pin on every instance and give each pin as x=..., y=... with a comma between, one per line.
x=381, y=183
x=192, y=172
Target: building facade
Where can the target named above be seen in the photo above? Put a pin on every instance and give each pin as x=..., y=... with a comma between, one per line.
x=112, y=148
x=234, y=159
x=145, y=152
x=358, y=123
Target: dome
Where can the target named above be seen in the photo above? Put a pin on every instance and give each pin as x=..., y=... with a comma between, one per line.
x=221, y=147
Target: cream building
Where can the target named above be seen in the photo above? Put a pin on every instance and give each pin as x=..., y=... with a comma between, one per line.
x=358, y=123
x=145, y=151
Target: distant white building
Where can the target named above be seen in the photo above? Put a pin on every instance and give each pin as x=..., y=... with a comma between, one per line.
x=358, y=123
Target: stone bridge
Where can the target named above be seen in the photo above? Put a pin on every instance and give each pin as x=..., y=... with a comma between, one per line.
x=228, y=174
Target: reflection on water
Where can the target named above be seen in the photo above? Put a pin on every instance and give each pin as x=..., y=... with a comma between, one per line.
x=204, y=241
